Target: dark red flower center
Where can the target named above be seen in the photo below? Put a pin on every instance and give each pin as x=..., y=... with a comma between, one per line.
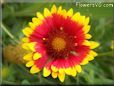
x=59, y=44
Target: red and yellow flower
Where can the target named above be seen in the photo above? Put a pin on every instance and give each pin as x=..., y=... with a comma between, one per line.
x=58, y=41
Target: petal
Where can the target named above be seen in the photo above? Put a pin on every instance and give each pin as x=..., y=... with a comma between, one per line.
x=64, y=13
x=86, y=42
x=94, y=44
x=27, y=31
x=82, y=53
x=32, y=46
x=78, y=68
x=61, y=70
x=54, y=74
x=25, y=46
x=70, y=12
x=86, y=28
x=40, y=49
x=61, y=76
x=36, y=56
x=88, y=36
x=73, y=71
x=47, y=12
x=76, y=16
x=32, y=25
x=34, y=69
x=40, y=16
x=25, y=39
x=68, y=71
x=53, y=9
x=29, y=46
x=28, y=57
x=85, y=61
x=59, y=10
x=36, y=21
x=54, y=69
x=44, y=28
x=41, y=62
x=93, y=53
x=86, y=21
x=90, y=57
x=82, y=20
x=46, y=72
x=36, y=38
x=30, y=63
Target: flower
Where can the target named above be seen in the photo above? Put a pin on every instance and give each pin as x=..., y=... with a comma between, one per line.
x=14, y=54
x=58, y=40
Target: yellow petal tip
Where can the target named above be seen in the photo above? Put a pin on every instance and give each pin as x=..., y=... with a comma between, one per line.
x=34, y=69
x=46, y=72
x=36, y=56
x=30, y=63
x=94, y=44
x=55, y=69
x=61, y=77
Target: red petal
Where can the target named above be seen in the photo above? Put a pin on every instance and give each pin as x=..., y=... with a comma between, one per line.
x=40, y=63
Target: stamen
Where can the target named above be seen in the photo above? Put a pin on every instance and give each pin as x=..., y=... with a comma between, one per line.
x=75, y=44
x=74, y=53
x=61, y=28
x=75, y=37
x=58, y=43
x=44, y=38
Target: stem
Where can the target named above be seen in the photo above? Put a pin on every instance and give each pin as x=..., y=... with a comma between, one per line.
x=106, y=53
x=8, y=32
x=5, y=29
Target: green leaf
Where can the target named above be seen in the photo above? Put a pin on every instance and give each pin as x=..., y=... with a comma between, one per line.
x=103, y=81
x=25, y=82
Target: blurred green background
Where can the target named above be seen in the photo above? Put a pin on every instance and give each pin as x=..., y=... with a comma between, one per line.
x=15, y=16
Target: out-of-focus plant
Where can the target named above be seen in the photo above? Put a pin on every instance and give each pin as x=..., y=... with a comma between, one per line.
x=13, y=53
x=112, y=44
x=1, y=1
x=5, y=72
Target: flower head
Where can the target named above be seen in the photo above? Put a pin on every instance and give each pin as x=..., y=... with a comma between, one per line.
x=58, y=41
x=14, y=54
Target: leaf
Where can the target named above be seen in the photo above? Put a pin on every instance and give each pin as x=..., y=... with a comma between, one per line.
x=25, y=82
x=103, y=81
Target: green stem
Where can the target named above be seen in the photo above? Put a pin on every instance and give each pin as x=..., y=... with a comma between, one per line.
x=8, y=32
x=110, y=53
